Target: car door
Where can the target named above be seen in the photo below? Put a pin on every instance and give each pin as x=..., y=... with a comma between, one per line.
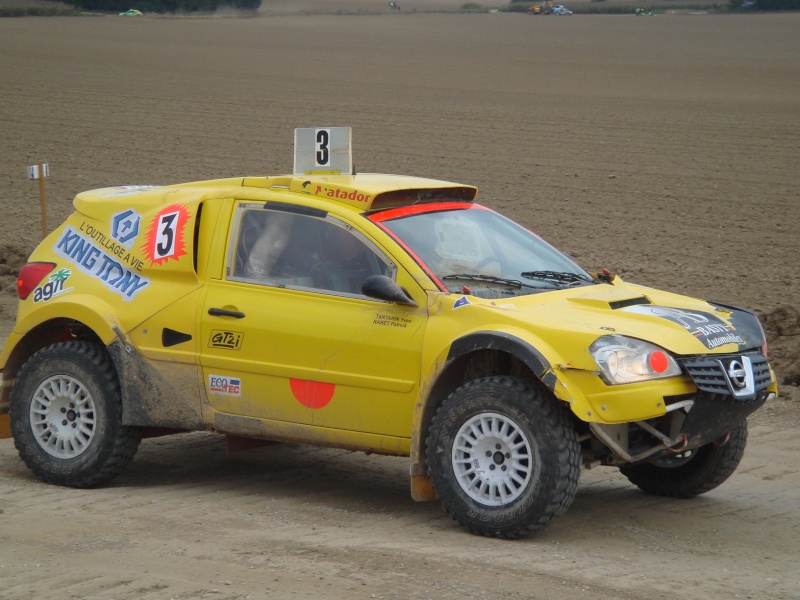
x=288, y=335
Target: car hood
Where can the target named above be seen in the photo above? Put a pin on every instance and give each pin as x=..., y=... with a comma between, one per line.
x=679, y=324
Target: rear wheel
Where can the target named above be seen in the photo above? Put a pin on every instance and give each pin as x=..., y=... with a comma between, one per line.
x=502, y=457
x=66, y=416
x=691, y=473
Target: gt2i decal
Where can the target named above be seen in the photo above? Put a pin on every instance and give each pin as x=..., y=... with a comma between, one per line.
x=54, y=287
x=710, y=330
x=227, y=340
x=165, y=237
x=224, y=386
x=90, y=259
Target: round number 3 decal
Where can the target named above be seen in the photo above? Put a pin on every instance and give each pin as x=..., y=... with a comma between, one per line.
x=165, y=235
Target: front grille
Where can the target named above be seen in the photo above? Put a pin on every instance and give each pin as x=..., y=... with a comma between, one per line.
x=711, y=374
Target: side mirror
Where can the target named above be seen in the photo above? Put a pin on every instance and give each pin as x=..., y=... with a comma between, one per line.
x=383, y=288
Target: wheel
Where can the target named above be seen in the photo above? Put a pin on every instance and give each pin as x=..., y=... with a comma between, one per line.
x=691, y=473
x=502, y=457
x=66, y=416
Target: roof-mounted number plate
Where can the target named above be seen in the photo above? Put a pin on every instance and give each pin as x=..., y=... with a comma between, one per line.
x=325, y=150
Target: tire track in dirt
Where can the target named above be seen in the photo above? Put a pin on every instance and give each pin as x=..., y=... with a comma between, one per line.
x=285, y=512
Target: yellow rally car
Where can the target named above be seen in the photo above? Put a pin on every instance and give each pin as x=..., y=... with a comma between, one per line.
x=380, y=313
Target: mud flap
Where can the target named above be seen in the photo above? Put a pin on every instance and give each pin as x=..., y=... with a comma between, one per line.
x=5, y=427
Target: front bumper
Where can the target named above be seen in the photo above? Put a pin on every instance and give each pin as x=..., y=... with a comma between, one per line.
x=728, y=389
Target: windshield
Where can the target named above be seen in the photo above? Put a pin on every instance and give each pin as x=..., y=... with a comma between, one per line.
x=475, y=250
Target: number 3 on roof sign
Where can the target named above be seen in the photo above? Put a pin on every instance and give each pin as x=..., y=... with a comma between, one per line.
x=322, y=150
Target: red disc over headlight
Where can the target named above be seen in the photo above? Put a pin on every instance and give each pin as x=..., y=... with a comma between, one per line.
x=658, y=361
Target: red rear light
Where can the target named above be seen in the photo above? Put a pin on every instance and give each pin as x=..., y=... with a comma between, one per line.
x=30, y=276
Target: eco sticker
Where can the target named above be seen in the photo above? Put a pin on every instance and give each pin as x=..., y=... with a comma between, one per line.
x=165, y=237
x=54, y=287
x=224, y=386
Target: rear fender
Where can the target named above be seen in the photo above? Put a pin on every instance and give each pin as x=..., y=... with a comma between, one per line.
x=51, y=323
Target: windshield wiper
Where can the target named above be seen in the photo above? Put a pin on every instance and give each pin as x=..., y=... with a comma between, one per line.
x=557, y=276
x=492, y=279
x=488, y=279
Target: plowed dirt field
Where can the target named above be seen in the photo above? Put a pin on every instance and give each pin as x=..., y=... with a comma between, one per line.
x=666, y=149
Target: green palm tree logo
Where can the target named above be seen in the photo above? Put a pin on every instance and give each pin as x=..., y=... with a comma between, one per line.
x=60, y=275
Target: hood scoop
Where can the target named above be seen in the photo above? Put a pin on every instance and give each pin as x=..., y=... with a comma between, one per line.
x=629, y=302
x=606, y=301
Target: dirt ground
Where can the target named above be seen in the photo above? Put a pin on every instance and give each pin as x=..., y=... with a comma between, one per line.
x=665, y=149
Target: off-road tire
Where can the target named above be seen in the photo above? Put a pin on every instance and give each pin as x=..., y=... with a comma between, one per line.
x=66, y=416
x=705, y=469
x=524, y=428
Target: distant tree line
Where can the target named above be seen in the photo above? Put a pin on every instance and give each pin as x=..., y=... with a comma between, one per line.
x=777, y=4
x=164, y=6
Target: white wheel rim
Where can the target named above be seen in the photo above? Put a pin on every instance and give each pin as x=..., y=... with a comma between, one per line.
x=492, y=459
x=62, y=417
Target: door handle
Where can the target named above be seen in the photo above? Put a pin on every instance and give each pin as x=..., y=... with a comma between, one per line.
x=221, y=312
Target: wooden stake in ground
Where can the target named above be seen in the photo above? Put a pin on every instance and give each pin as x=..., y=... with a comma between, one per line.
x=40, y=171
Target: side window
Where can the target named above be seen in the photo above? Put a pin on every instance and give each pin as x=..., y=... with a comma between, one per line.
x=300, y=251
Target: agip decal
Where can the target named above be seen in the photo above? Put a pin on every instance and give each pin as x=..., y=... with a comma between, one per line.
x=166, y=235
x=54, y=287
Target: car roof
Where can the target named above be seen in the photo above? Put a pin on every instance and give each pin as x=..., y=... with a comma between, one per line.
x=362, y=192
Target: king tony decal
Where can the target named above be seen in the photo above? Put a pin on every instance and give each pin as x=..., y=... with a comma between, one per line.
x=166, y=235
x=92, y=260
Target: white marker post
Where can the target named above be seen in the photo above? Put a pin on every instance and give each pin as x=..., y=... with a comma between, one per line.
x=40, y=171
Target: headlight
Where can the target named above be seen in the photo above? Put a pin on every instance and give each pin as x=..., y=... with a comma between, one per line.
x=627, y=360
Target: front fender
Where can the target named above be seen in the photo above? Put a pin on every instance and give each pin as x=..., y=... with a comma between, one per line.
x=438, y=382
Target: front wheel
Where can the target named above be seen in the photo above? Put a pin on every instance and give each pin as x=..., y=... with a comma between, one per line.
x=66, y=416
x=691, y=473
x=502, y=457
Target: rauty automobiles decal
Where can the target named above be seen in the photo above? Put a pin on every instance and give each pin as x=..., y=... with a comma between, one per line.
x=707, y=328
